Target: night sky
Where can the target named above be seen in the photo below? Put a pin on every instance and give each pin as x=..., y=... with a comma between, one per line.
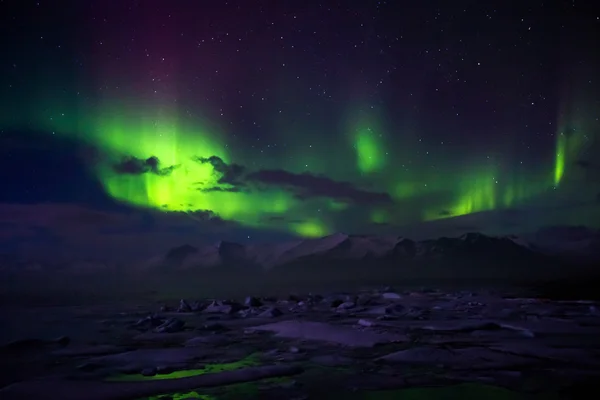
x=143, y=124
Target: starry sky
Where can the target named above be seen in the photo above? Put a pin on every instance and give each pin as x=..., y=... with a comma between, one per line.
x=144, y=123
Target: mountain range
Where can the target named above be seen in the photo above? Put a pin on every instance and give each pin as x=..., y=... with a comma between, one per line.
x=577, y=244
x=349, y=248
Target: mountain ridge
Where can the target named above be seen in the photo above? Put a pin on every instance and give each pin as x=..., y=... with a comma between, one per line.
x=340, y=246
x=570, y=245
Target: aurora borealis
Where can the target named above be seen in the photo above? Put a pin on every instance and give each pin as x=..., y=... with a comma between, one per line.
x=311, y=119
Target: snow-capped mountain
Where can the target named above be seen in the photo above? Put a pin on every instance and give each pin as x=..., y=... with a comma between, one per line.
x=477, y=244
x=340, y=247
x=568, y=243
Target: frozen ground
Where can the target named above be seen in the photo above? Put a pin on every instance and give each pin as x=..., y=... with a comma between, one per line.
x=392, y=343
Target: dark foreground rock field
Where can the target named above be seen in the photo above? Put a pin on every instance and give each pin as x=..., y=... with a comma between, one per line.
x=371, y=344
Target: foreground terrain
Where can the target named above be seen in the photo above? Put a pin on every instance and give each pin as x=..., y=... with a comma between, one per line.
x=369, y=344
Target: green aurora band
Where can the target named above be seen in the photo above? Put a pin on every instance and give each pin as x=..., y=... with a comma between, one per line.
x=570, y=141
x=124, y=129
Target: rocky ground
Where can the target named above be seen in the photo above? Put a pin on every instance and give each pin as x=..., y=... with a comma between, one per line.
x=380, y=344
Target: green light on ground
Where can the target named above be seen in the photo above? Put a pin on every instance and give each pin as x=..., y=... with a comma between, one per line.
x=250, y=361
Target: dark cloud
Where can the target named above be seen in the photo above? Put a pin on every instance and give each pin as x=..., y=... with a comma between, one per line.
x=307, y=185
x=233, y=189
x=205, y=216
x=280, y=220
x=234, y=178
x=178, y=219
x=229, y=174
x=136, y=166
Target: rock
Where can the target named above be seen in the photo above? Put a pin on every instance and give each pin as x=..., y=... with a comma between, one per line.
x=219, y=307
x=171, y=325
x=391, y=296
x=184, y=306
x=165, y=308
x=148, y=372
x=270, y=312
x=196, y=306
x=149, y=322
x=319, y=331
x=252, y=302
x=366, y=322
x=346, y=306
x=391, y=309
x=247, y=312
x=521, y=331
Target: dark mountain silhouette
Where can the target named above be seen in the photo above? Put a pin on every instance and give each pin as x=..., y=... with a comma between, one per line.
x=340, y=247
